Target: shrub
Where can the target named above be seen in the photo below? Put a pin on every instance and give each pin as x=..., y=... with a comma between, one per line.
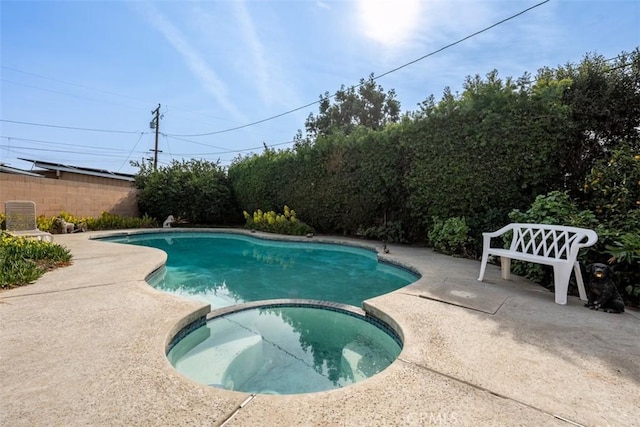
x=619, y=245
x=612, y=191
x=391, y=232
x=24, y=260
x=451, y=236
x=106, y=221
x=626, y=252
x=272, y=222
x=196, y=191
x=556, y=208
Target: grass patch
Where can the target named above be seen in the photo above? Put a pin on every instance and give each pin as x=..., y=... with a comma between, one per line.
x=23, y=260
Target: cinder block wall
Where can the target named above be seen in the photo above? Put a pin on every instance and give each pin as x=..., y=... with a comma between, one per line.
x=53, y=196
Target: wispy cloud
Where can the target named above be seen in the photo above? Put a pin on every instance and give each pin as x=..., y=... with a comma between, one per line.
x=194, y=61
x=267, y=52
x=260, y=67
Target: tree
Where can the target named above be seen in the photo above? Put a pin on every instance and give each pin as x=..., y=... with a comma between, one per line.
x=196, y=191
x=603, y=98
x=363, y=105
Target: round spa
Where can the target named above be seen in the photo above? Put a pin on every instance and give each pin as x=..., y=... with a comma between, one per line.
x=288, y=347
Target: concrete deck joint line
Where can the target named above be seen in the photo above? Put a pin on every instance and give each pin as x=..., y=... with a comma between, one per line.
x=458, y=305
x=234, y=413
x=486, y=390
x=70, y=289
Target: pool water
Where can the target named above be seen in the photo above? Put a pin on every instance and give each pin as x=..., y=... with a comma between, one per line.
x=284, y=350
x=268, y=347
x=225, y=269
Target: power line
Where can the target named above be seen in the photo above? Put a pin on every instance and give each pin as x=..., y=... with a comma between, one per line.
x=618, y=67
x=59, y=151
x=60, y=143
x=271, y=117
x=255, y=123
x=193, y=142
x=68, y=94
x=462, y=39
x=92, y=89
x=232, y=151
x=375, y=78
x=67, y=127
x=168, y=147
x=67, y=83
x=131, y=152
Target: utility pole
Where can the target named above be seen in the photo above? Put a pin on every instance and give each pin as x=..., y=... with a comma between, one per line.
x=155, y=124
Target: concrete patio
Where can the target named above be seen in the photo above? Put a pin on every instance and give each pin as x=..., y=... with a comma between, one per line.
x=84, y=345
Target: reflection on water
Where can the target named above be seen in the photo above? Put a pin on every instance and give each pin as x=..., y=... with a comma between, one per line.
x=224, y=269
x=284, y=350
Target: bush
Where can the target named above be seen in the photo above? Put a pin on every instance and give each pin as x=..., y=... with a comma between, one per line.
x=106, y=221
x=619, y=245
x=391, y=232
x=625, y=253
x=196, y=191
x=23, y=260
x=451, y=236
x=612, y=191
x=557, y=208
x=271, y=222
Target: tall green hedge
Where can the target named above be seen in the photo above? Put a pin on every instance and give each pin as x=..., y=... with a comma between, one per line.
x=196, y=191
x=478, y=154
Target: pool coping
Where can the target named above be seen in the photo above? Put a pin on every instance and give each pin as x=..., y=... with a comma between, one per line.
x=447, y=370
x=346, y=309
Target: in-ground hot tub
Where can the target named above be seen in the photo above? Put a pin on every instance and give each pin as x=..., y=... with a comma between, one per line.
x=285, y=347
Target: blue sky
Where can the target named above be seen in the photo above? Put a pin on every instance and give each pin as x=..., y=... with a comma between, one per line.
x=216, y=65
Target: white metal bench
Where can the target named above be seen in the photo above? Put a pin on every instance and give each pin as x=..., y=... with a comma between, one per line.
x=554, y=245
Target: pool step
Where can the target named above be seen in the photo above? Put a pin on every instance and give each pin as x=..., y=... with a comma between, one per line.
x=352, y=355
x=212, y=364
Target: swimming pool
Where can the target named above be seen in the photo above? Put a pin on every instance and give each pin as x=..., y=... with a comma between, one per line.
x=285, y=348
x=312, y=339
x=223, y=269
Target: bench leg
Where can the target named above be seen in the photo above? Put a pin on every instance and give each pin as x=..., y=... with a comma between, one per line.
x=506, y=267
x=578, y=273
x=561, y=276
x=483, y=266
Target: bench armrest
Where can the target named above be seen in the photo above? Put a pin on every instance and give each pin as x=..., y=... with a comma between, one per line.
x=499, y=232
x=592, y=238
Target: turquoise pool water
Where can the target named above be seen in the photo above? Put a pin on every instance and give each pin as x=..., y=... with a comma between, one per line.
x=284, y=350
x=225, y=269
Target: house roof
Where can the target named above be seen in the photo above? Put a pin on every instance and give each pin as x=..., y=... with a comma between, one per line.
x=8, y=169
x=80, y=170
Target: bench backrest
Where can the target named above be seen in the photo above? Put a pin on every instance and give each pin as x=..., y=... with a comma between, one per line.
x=20, y=215
x=551, y=241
